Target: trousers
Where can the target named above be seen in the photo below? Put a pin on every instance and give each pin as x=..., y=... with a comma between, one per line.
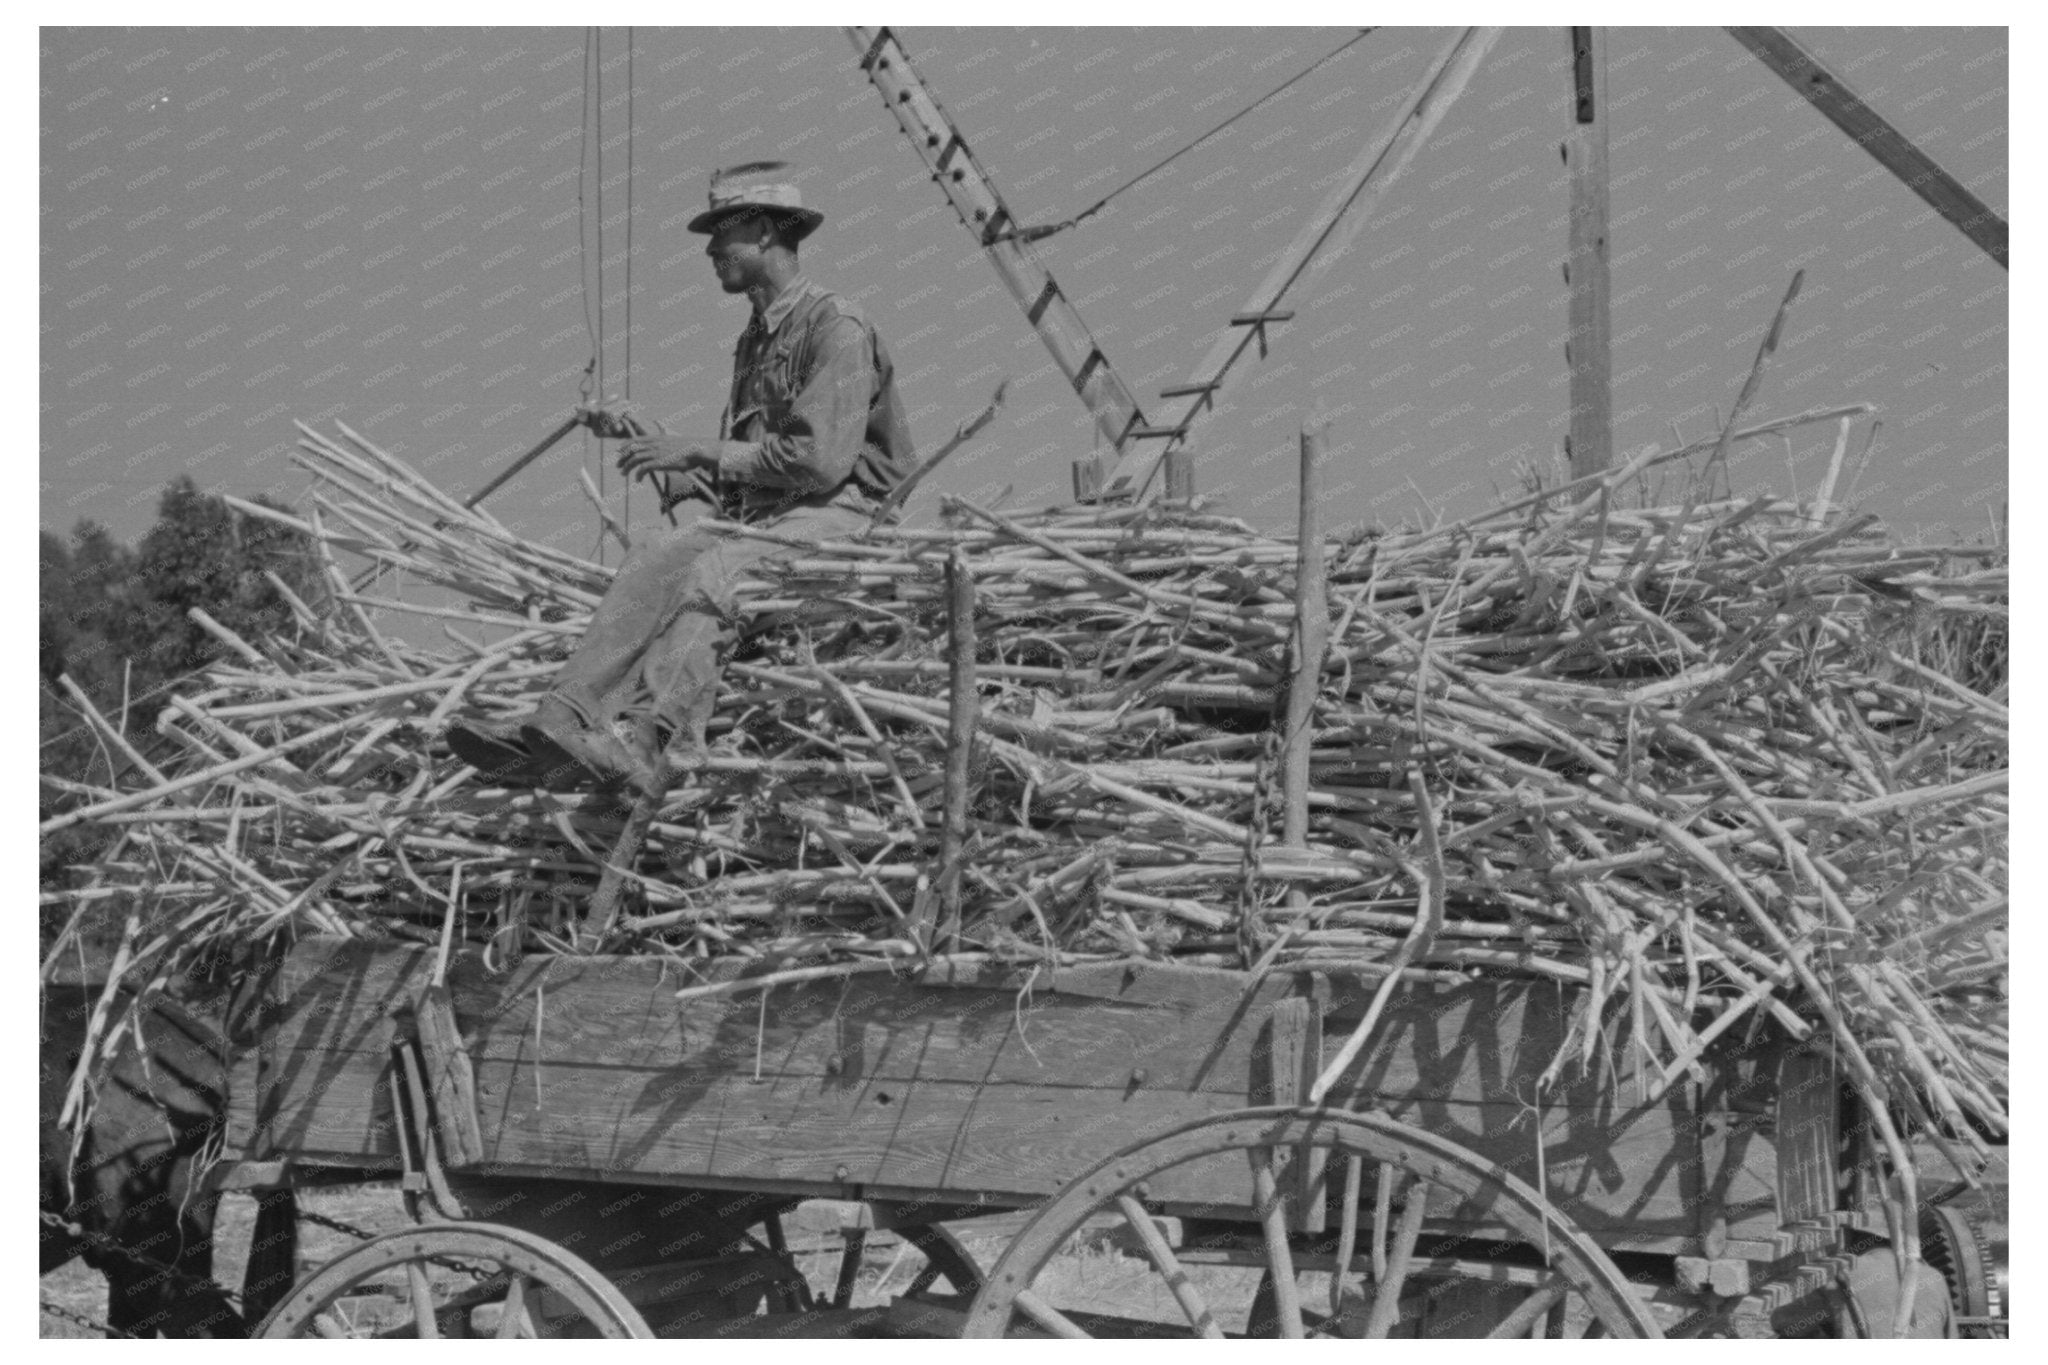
x=655, y=646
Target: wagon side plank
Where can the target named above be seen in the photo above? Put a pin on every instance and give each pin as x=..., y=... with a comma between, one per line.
x=966, y=1082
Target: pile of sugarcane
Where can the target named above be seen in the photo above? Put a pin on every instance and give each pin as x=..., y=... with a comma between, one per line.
x=1711, y=763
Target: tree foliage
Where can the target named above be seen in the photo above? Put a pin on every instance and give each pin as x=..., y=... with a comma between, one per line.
x=117, y=621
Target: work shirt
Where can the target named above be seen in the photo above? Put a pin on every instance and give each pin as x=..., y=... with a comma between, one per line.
x=814, y=404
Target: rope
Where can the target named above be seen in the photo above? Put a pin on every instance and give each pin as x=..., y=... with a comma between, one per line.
x=597, y=65
x=593, y=322
x=595, y=95
x=1039, y=233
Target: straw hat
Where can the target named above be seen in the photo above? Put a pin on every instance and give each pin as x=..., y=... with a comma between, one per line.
x=739, y=190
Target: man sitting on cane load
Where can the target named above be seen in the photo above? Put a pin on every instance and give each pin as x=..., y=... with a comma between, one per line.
x=814, y=438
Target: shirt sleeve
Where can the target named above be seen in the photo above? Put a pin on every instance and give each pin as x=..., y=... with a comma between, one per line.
x=814, y=448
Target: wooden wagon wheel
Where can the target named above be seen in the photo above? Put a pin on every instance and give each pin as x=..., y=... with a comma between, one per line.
x=944, y=1259
x=456, y=1280
x=1548, y=1273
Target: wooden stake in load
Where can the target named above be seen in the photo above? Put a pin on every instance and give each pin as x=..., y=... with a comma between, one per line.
x=1310, y=643
x=961, y=436
x=611, y=887
x=959, y=742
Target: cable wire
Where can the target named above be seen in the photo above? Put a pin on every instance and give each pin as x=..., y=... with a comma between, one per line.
x=593, y=312
x=583, y=219
x=1038, y=233
x=627, y=516
x=1252, y=334
x=597, y=100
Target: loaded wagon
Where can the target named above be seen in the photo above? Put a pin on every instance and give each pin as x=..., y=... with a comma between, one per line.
x=591, y=1155
x=1578, y=951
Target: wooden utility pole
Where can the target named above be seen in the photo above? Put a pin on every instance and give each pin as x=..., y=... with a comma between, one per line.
x=1586, y=347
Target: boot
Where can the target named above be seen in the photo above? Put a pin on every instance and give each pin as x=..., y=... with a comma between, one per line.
x=574, y=754
x=665, y=747
x=496, y=750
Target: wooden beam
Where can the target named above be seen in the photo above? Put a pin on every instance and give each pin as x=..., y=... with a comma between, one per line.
x=451, y=1084
x=1587, y=347
x=1284, y=1072
x=1180, y=478
x=1870, y=130
x=1349, y=206
x=547, y=443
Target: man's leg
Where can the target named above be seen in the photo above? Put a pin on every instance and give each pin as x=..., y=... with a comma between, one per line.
x=683, y=668
x=636, y=609
x=569, y=737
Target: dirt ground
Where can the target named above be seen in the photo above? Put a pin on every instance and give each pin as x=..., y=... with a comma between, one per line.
x=1095, y=1277
x=887, y=1265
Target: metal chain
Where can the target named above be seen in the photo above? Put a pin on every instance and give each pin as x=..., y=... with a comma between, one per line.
x=445, y=1262
x=77, y=1319
x=105, y=1243
x=307, y=1215
x=102, y=1242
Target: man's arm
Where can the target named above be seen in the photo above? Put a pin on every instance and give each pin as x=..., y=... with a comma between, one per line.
x=815, y=447
x=616, y=420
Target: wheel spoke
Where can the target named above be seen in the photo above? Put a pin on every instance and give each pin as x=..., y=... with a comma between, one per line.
x=397, y=1285
x=849, y=1266
x=1049, y=1317
x=422, y=1301
x=1530, y=1311
x=512, y=1320
x=1420, y=1177
x=944, y=1257
x=1386, y=1293
x=1279, y=1257
x=1347, y=1230
x=1169, y=1266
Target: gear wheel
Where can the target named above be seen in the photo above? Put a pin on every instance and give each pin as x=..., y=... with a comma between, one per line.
x=1956, y=1240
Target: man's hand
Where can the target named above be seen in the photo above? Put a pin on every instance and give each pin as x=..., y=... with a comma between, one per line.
x=669, y=455
x=615, y=421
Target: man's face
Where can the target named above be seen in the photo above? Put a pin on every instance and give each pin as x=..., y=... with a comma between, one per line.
x=736, y=253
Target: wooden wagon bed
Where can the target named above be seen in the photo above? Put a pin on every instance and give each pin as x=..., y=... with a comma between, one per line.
x=970, y=1086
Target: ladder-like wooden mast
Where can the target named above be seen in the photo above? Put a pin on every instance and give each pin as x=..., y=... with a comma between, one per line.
x=1325, y=236
x=973, y=195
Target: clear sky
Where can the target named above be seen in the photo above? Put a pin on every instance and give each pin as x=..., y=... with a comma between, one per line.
x=243, y=227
